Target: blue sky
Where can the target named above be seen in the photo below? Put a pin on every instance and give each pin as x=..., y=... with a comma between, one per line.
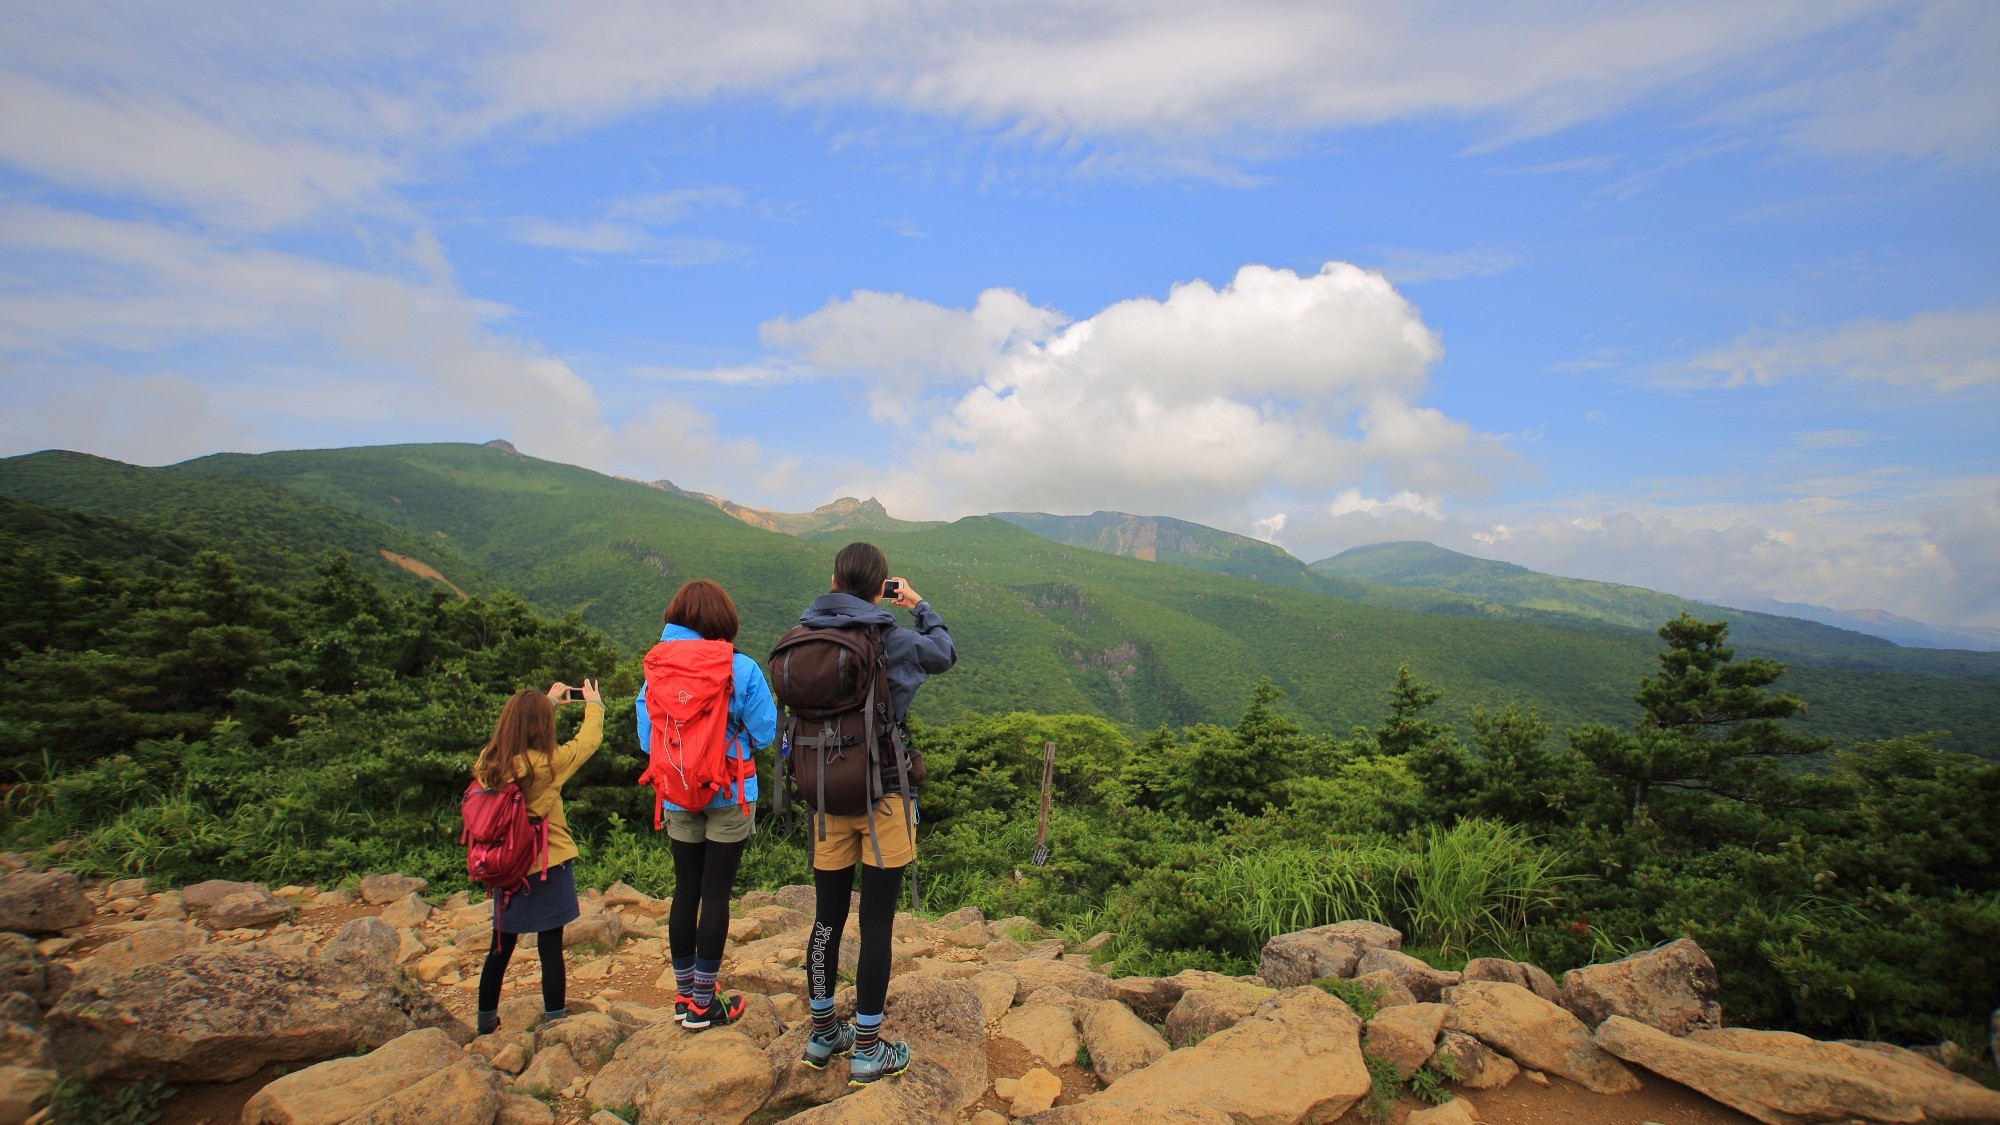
x=1702, y=297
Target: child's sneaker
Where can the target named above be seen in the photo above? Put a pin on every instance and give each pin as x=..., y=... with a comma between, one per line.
x=682, y=1001
x=818, y=1050
x=883, y=1060
x=721, y=1010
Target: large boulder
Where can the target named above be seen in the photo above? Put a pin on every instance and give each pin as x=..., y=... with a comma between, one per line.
x=1046, y=1031
x=1150, y=998
x=1204, y=1011
x=1037, y=974
x=42, y=902
x=420, y=1076
x=669, y=1076
x=1423, y=982
x=1304, y=956
x=23, y=969
x=1776, y=1091
x=592, y=1037
x=1535, y=1033
x=381, y=890
x=1674, y=988
x=247, y=908
x=996, y=992
x=1405, y=1036
x=220, y=1015
x=1298, y=1058
x=942, y=1021
x=156, y=941
x=409, y=910
x=364, y=941
x=1942, y=1094
x=1530, y=977
x=1119, y=1041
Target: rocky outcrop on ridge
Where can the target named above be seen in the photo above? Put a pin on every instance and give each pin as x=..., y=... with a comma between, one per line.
x=1006, y=1022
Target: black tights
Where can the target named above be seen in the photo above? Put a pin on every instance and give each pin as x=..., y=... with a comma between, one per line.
x=880, y=887
x=704, y=876
x=548, y=944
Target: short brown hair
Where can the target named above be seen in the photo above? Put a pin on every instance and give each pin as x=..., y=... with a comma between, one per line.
x=860, y=569
x=704, y=607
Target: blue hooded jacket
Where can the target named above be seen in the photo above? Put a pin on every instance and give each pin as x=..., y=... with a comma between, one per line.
x=913, y=655
x=753, y=719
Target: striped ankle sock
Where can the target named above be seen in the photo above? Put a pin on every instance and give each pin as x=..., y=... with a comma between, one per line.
x=823, y=1021
x=704, y=982
x=867, y=1031
x=684, y=976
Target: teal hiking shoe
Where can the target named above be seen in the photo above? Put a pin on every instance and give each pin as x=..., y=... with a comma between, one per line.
x=819, y=1051
x=884, y=1060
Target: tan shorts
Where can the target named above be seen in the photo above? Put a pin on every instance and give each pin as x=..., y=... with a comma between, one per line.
x=847, y=838
x=724, y=826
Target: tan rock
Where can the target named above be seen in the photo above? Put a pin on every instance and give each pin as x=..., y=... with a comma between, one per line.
x=511, y=1058
x=719, y=1078
x=1037, y=1091
x=604, y=929
x=590, y=1036
x=1305, y=956
x=1204, y=1011
x=1073, y=979
x=1535, y=1033
x=1006, y=1088
x=1297, y=1059
x=436, y=964
x=765, y=978
x=464, y=1093
x=996, y=991
x=988, y=1117
x=338, y=1089
x=365, y=942
x=1119, y=1041
x=409, y=910
x=1472, y=1064
x=381, y=890
x=154, y=943
x=1386, y=988
x=789, y=1007
x=1045, y=1031
x=1774, y=1090
x=1150, y=998
x=619, y=894
x=1424, y=982
x=964, y=915
x=942, y=1021
x=552, y=1069
x=519, y=1109
x=247, y=908
x=22, y=1088
x=409, y=947
x=1005, y=949
x=1527, y=976
x=1674, y=988
x=1405, y=1036
x=219, y=1015
x=522, y=1014
x=1942, y=1094
x=204, y=895
x=1457, y=1111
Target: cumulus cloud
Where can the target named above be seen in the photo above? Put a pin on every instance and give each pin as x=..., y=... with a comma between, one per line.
x=1945, y=350
x=1200, y=403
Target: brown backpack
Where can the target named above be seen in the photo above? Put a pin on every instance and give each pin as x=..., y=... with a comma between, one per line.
x=844, y=747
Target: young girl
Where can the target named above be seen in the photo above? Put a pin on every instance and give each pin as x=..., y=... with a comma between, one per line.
x=523, y=749
x=708, y=842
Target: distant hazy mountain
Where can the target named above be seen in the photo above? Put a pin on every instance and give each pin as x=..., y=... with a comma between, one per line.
x=1904, y=631
x=844, y=515
x=1171, y=541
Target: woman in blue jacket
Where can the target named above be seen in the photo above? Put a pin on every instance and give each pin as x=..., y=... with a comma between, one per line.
x=708, y=842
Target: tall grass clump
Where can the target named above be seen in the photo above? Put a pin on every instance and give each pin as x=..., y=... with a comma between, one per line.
x=1278, y=890
x=1474, y=884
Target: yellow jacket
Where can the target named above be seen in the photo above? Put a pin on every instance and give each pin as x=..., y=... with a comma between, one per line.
x=541, y=777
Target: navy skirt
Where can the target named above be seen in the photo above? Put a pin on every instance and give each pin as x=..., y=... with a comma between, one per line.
x=541, y=905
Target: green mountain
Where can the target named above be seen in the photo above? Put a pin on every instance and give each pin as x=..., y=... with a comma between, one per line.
x=1041, y=626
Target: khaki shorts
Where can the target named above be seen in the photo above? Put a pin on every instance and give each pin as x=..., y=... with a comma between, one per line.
x=847, y=838
x=724, y=826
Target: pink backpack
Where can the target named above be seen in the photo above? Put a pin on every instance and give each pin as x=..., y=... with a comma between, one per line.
x=501, y=841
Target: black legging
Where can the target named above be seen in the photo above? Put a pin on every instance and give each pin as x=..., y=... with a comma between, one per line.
x=879, y=888
x=704, y=876
x=548, y=944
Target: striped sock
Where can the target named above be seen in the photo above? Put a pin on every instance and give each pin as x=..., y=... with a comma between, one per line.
x=704, y=982
x=684, y=976
x=867, y=1032
x=823, y=1021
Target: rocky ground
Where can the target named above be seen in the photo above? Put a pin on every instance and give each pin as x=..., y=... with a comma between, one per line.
x=299, y=1005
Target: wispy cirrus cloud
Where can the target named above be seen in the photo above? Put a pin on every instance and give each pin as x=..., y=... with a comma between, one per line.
x=1946, y=351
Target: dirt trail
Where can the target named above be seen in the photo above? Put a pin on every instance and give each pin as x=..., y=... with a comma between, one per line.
x=421, y=569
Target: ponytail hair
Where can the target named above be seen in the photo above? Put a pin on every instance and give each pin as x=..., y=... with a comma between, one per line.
x=527, y=722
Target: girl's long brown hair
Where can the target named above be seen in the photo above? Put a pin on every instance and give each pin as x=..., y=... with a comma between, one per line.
x=528, y=722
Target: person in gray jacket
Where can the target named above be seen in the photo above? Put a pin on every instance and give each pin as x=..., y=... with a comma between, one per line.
x=861, y=583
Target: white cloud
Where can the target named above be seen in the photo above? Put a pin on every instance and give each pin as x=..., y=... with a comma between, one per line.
x=1946, y=350
x=1197, y=404
x=150, y=419
x=1350, y=502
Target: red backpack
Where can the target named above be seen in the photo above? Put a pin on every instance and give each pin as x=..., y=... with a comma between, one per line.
x=688, y=685
x=501, y=841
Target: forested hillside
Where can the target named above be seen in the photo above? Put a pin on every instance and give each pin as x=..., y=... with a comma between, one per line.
x=1042, y=626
